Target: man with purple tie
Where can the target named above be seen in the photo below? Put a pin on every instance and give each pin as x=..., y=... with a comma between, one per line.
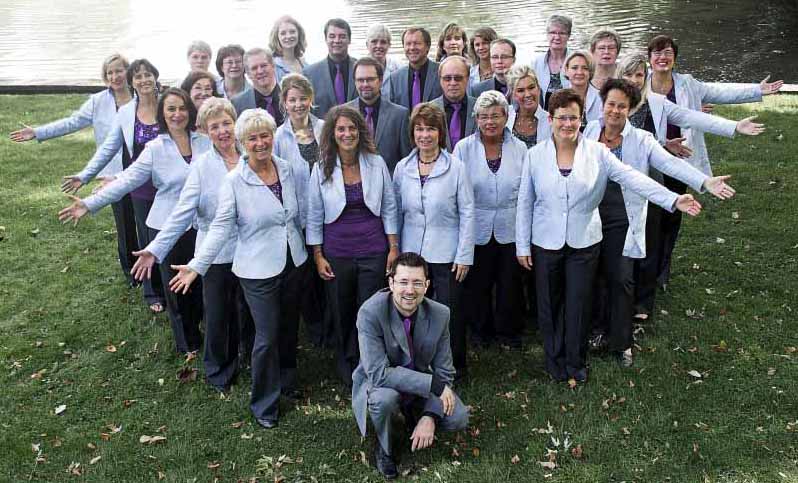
x=502, y=58
x=386, y=121
x=264, y=92
x=405, y=363
x=332, y=77
x=459, y=108
x=418, y=81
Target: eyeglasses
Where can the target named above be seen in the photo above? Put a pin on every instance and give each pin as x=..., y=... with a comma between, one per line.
x=501, y=57
x=667, y=53
x=492, y=117
x=607, y=48
x=365, y=80
x=417, y=285
x=450, y=78
x=232, y=62
x=557, y=33
x=566, y=119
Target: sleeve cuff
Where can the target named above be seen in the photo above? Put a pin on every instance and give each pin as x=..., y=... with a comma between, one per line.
x=437, y=385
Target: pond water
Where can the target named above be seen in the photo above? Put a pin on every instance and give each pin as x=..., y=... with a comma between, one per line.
x=63, y=42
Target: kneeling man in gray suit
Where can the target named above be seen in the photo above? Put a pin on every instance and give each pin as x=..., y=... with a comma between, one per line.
x=405, y=363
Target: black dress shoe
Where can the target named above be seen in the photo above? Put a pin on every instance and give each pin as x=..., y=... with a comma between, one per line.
x=292, y=394
x=385, y=463
x=266, y=423
x=222, y=389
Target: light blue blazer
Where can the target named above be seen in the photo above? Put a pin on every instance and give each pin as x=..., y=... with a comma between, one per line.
x=695, y=122
x=390, y=133
x=120, y=135
x=495, y=194
x=221, y=91
x=640, y=150
x=470, y=126
x=437, y=221
x=285, y=146
x=327, y=199
x=281, y=70
x=544, y=127
x=98, y=111
x=473, y=75
x=197, y=204
x=554, y=209
x=474, y=90
x=394, y=88
x=323, y=88
x=594, y=107
x=160, y=161
x=266, y=229
x=540, y=64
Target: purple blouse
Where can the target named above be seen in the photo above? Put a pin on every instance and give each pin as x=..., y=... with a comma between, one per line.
x=357, y=232
x=494, y=164
x=277, y=189
x=142, y=134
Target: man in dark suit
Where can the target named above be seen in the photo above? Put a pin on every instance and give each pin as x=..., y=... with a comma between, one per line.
x=459, y=108
x=405, y=363
x=386, y=121
x=332, y=77
x=264, y=93
x=418, y=81
x=502, y=58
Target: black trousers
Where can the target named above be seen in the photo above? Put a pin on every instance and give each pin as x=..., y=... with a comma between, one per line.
x=185, y=311
x=356, y=279
x=647, y=269
x=153, y=288
x=315, y=313
x=613, y=292
x=670, y=223
x=126, y=241
x=564, y=280
x=273, y=304
x=495, y=266
x=448, y=291
x=225, y=309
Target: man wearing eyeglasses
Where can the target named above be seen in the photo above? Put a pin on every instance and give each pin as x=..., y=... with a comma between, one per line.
x=459, y=107
x=405, y=363
x=502, y=57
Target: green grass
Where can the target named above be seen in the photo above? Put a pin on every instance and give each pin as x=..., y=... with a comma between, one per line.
x=729, y=314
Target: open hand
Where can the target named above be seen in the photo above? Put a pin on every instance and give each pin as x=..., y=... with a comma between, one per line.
x=748, y=127
x=460, y=271
x=71, y=184
x=142, y=269
x=25, y=134
x=73, y=212
x=688, y=204
x=718, y=187
x=181, y=282
x=676, y=148
x=423, y=434
x=769, y=88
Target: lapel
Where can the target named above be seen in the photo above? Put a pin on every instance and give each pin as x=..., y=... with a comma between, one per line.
x=251, y=103
x=385, y=111
x=656, y=104
x=127, y=121
x=352, y=94
x=432, y=77
x=469, y=127
x=397, y=326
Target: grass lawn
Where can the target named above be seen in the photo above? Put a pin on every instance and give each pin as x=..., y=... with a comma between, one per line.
x=87, y=370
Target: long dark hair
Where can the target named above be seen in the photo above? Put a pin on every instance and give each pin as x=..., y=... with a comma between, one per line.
x=192, y=111
x=328, y=146
x=136, y=65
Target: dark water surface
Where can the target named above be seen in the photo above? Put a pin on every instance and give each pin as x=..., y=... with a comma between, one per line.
x=64, y=42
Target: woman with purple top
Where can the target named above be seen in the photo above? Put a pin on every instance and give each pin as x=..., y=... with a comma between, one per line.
x=133, y=127
x=352, y=224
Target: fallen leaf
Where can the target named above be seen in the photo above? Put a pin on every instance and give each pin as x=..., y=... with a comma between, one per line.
x=160, y=382
x=161, y=475
x=720, y=240
x=695, y=374
x=110, y=348
x=247, y=436
x=144, y=439
x=128, y=402
x=771, y=371
x=735, y=215
x=626, y=431
x=238, y=424
x=187, y=374
x=74, y=468
x=33, y=233
x=572, y=383
x=91, y=446
x=60, y=409
x=475, y=452
x=95, y=460
x=549, y=465
x=35, y=447
x=720, y=347
x=576, y=451
x=515, y=460
x=213, y=465
x=105, y=436
x=65, y=269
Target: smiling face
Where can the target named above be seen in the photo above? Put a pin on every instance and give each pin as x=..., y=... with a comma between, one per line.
x=175, y=112
x=454, y=44
x=606, y=52
x=491, y=121
x=261, y=72
x=221, y=129
x=454, y=80
x=288, y=35
x=481, y=48
x=201, y=90
x=258, y=145
x=416, y=50
x=638, y=77
x=578, y=72
x=233, y=66
x=616, y=109
x=337, y=42
x=558, y=36
x=297, y=103
x=427, y=138
x=378, y=48
x=527, y=94
x=662, y=60
x=199, y=60
x=565, y=123
x=367, y=83
x=408, y=286
x=116, y=75
x=144, y=82
x=346, y=135
x=501, y=59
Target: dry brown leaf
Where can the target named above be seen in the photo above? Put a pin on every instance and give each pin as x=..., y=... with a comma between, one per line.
x=247, y=435
x=213, y=465
x=161, y=475
x=771, y=371
x=74, y=469
x=515, y=460
x=94, y=460
x=695, y=374
x=549, y=465
x=572, y=383
x=144, y=439
x=91, y=446
x=187, y=374
x=128, y=402
x=475, y=452
x=110, y=348
x=626, y=431
x=576, y=451
x=237, y=425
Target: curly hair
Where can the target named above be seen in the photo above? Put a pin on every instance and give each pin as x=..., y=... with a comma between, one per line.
x=328, y=147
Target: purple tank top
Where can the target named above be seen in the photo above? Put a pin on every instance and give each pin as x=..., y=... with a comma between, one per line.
x=142, y=134
x=357, y=232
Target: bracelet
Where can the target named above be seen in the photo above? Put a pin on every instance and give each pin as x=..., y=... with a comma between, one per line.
x=394, y=245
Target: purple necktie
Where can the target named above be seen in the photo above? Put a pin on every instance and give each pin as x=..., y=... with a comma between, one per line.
x=270, y=106
x=407, y=323
x=340, y=94
x=370, y=119
x=416, y=94
x=455, y=130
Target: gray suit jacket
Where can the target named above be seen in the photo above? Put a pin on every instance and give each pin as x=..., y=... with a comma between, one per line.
x=474, y=90
x=470, y=127
x=390, y=134
x=384, y=351
x=246, y=100
x=395, y=86
x=323, y=89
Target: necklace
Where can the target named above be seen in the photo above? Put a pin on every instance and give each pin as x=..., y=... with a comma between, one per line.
x=610, y=141
x=428, y=162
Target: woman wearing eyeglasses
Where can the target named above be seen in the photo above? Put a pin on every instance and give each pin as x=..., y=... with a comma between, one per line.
x=230, y=66
x=550, y=65
x=558, y=228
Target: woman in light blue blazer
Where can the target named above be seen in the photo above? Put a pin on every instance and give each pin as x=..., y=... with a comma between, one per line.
x=297, y=141
x=686, y=91
x=559, y=227
x=257, y=201
x=550, y=65
x=623, y=213
x=493, y=158
x=287, y=41
x=579, y=68
x=225, y=310
x=352, y=225
x=98, y=112
x=436, y=215
x=165, y=163
x=526, y=118
x=653, y=114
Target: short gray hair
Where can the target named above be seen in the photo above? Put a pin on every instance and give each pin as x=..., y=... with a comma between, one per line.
x=257, y=51
x=518, y=72
x=213, y=107
x=605, y=33
x=591, y=65
x=561, y=20
x=489, y=99
x=253, y=120
x=378, y=31
x=199, y=46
